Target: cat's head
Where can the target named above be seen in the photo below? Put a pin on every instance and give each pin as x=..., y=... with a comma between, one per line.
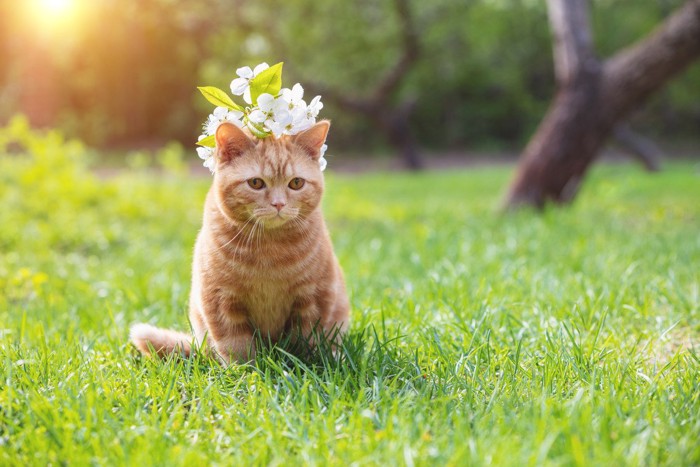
x=271, y=181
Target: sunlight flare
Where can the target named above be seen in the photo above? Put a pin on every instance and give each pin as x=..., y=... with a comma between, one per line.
x=57, y=7
x=56, y=18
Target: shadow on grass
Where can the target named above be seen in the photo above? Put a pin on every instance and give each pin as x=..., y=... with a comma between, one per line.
x=365, y=362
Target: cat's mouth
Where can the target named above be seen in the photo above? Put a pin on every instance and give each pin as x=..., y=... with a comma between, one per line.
x=271, y=218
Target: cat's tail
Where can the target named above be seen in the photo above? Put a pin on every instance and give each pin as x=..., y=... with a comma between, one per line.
x=161, y=342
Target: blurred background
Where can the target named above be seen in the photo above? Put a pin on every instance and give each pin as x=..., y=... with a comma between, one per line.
x=450, y=78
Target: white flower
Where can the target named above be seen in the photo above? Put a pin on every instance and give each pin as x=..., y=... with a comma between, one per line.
x=219, y=116
x=322, y=162
x=294, y=96
x=293, y=101
x=279, y=119
x=210, y=164
x=273, y=112
x=241, y=85
x=303, y=118
x=300, y=120
x=207, y=155
x=257, y=116
x=276, y=128
x=315, y=107
x=284, y=114
x=273, y=105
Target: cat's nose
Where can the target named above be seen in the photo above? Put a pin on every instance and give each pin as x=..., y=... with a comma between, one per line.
x=278, y=204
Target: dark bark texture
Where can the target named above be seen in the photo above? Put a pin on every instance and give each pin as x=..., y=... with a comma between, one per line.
x=594, y=97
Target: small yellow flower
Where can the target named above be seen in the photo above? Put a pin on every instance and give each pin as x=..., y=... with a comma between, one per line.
x=39, y=278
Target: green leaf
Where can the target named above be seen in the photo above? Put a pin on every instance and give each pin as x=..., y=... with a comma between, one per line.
x=209, y=141
x=268, y=81
x=258, y=130
x=219, y=98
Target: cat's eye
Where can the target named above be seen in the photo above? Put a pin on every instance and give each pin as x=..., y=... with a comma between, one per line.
x=297, y=183
x=256, y=183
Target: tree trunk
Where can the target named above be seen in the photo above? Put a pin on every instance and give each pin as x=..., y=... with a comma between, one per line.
x=39, y=99
x=395, y=124
x=593, y=97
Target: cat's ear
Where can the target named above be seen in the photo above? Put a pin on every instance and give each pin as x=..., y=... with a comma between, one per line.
x=312, y=139
x=231, y=142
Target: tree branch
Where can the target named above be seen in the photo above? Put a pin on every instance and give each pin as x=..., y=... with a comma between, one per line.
x=573, y=47
x=638, y=146
x=646, y=66
x=392, y=78
x=346, y=101
x=409, y=54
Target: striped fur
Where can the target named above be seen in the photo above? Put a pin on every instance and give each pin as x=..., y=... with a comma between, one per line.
x=256, y=269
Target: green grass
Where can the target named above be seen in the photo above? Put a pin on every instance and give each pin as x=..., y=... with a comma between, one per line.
x=567, y=338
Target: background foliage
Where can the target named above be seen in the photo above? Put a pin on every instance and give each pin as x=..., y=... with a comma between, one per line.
x=124, y=72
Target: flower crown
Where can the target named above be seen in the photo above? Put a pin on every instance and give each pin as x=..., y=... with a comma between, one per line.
x=271, y=111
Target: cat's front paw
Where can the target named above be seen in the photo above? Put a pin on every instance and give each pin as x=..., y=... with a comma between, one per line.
x=236, y=350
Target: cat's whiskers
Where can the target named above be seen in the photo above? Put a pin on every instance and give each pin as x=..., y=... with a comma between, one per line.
x=303, y=227
x=240, y=231
x=251, y=234
x=243, y=243
x=255, y=240
x=260, y=236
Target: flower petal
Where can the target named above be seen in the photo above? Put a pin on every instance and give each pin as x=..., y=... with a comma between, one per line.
x=211, y=125
x=274, y=127
x=210, y=164
x=245, y=72
x=281, y=104
x=258, y=69
x=315, y=106
x=297, y=92
x=257, y=116
x=220, y=112
x=283, y=117
x=299, y=112
x=205, y=153
x=302, y=125
x=286, y=93
x=234, y=115
x=235, y=120
x=266, y=102
x=238, y=86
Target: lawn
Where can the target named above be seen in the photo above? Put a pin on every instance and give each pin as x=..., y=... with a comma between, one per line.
x=570, y=337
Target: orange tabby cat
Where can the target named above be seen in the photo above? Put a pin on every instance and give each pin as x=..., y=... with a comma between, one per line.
x=263, y=260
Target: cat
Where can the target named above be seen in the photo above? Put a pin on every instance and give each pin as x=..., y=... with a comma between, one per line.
x=263, y=260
